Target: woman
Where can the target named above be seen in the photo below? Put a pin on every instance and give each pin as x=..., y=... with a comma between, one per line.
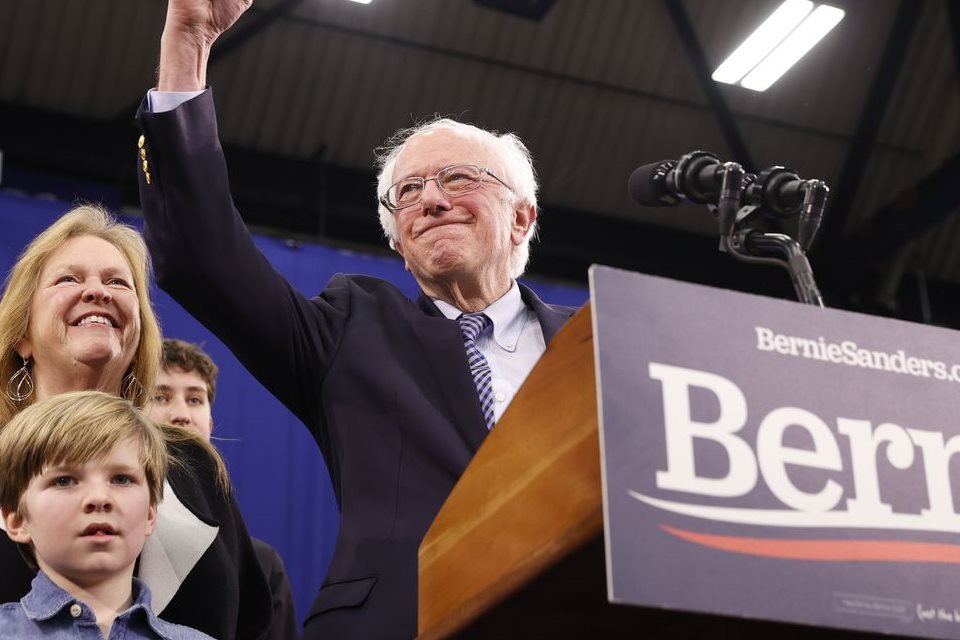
x=76, y=315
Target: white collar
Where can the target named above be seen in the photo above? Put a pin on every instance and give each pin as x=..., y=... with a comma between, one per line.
x=173, y=549
x=508, y=313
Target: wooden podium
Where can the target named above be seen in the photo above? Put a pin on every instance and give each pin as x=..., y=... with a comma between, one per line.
x=529, y=498
x=517, y=549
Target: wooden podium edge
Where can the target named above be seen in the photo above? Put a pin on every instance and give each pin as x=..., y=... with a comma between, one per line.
x=529, y=497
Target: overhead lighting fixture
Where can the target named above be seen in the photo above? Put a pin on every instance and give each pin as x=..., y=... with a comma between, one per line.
x=789, y=33
x=530, y=9
x=362, y=1
x=762, y=41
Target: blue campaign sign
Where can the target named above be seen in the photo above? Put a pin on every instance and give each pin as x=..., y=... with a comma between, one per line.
x=770, y=460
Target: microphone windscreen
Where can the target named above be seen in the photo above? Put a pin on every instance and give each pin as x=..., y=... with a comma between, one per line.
x=648, y=185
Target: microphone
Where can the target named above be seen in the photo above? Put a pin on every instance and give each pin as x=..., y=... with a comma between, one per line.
x=725, y=187
x=779, y=190
x=697, y=177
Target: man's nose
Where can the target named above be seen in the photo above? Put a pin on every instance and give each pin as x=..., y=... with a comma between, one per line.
x=434, y=199
x=179, y=416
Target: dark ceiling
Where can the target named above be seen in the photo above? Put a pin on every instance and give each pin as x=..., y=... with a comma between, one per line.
x=306, y=89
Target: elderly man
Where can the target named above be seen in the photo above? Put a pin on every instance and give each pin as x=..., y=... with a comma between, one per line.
x=399, y=394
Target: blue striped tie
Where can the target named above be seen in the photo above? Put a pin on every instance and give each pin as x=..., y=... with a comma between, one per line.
x=471, y=326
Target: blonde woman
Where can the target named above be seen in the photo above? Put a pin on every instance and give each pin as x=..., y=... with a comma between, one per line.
x=76, y=315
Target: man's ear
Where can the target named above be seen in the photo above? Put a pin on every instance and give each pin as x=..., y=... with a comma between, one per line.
x=17, y=526
x=399, y=249
x=524, y=217
x=151, y=520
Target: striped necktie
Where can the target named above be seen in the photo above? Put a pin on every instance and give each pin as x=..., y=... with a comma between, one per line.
x=471, y=326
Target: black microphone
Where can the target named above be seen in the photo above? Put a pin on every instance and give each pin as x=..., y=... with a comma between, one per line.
x=778, y=190
x=697, y=176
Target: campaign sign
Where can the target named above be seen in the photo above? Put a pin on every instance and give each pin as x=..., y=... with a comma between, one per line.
x=771, y=460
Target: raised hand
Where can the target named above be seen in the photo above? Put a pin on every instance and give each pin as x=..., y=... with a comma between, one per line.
x=190, y=30
x=203, y=19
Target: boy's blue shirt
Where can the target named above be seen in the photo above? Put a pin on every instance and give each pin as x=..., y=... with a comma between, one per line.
x=51, y=613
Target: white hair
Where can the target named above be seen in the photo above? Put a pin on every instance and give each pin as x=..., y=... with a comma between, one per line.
x=509, y=149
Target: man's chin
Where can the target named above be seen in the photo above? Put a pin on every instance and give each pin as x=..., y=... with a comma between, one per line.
x=448, y=265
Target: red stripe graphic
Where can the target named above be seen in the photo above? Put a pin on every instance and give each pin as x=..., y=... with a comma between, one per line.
x=826, y=550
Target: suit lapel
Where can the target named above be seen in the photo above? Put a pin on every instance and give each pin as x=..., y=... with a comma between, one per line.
x=552, y=318
x=442, y=347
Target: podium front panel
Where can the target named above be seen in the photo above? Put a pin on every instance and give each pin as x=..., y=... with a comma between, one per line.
x=770, y=460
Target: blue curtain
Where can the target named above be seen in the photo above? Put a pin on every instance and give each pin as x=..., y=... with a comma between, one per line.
x=279, y=477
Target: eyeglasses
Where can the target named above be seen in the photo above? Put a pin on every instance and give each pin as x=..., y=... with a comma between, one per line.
x=454, y=180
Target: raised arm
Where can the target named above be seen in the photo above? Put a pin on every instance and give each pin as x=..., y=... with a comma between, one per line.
x=202, y=252
x=191, y=28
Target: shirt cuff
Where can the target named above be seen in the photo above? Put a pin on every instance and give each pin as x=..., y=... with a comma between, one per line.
x=160, y=101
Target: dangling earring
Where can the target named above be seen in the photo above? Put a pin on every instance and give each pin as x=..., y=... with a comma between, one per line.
x=131, y=388
x=20, y=384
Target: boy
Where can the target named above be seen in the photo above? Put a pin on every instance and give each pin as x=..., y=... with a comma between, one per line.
x=185, y=388
x=80, y=478
x=183, y=397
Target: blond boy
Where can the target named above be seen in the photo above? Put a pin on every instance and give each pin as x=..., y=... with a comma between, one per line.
x=80, y=478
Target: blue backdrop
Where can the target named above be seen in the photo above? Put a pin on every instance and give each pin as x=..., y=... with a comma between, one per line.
x=276, y=468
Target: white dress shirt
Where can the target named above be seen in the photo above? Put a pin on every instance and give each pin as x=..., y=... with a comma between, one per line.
x=511, y=348
x=160, y=101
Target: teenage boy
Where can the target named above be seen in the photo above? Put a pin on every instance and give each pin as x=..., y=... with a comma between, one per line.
x=183, y=397
x=80, y=478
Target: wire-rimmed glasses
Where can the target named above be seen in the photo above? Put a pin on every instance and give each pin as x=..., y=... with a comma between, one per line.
x=454, y=180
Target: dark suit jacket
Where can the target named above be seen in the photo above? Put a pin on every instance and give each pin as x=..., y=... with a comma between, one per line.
x=284, y=625
x=225, y=594
x=381, y=381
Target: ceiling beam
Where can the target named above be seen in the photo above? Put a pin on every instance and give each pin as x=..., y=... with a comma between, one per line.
x=909, y=215
x=702, y=71
x=529, y=9
x=953, y=16
x=581, y=81
x=871, y=117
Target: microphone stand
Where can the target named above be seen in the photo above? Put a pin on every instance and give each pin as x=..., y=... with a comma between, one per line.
x=748, y=245
x=756, y=247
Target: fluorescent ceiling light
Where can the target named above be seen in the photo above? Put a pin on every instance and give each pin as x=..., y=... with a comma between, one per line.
x=795, y=46
x=784, y=38
x=362, y=1
x=762, y=41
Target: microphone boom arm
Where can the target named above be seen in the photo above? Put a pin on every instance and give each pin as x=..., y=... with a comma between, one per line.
x=750, y=246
